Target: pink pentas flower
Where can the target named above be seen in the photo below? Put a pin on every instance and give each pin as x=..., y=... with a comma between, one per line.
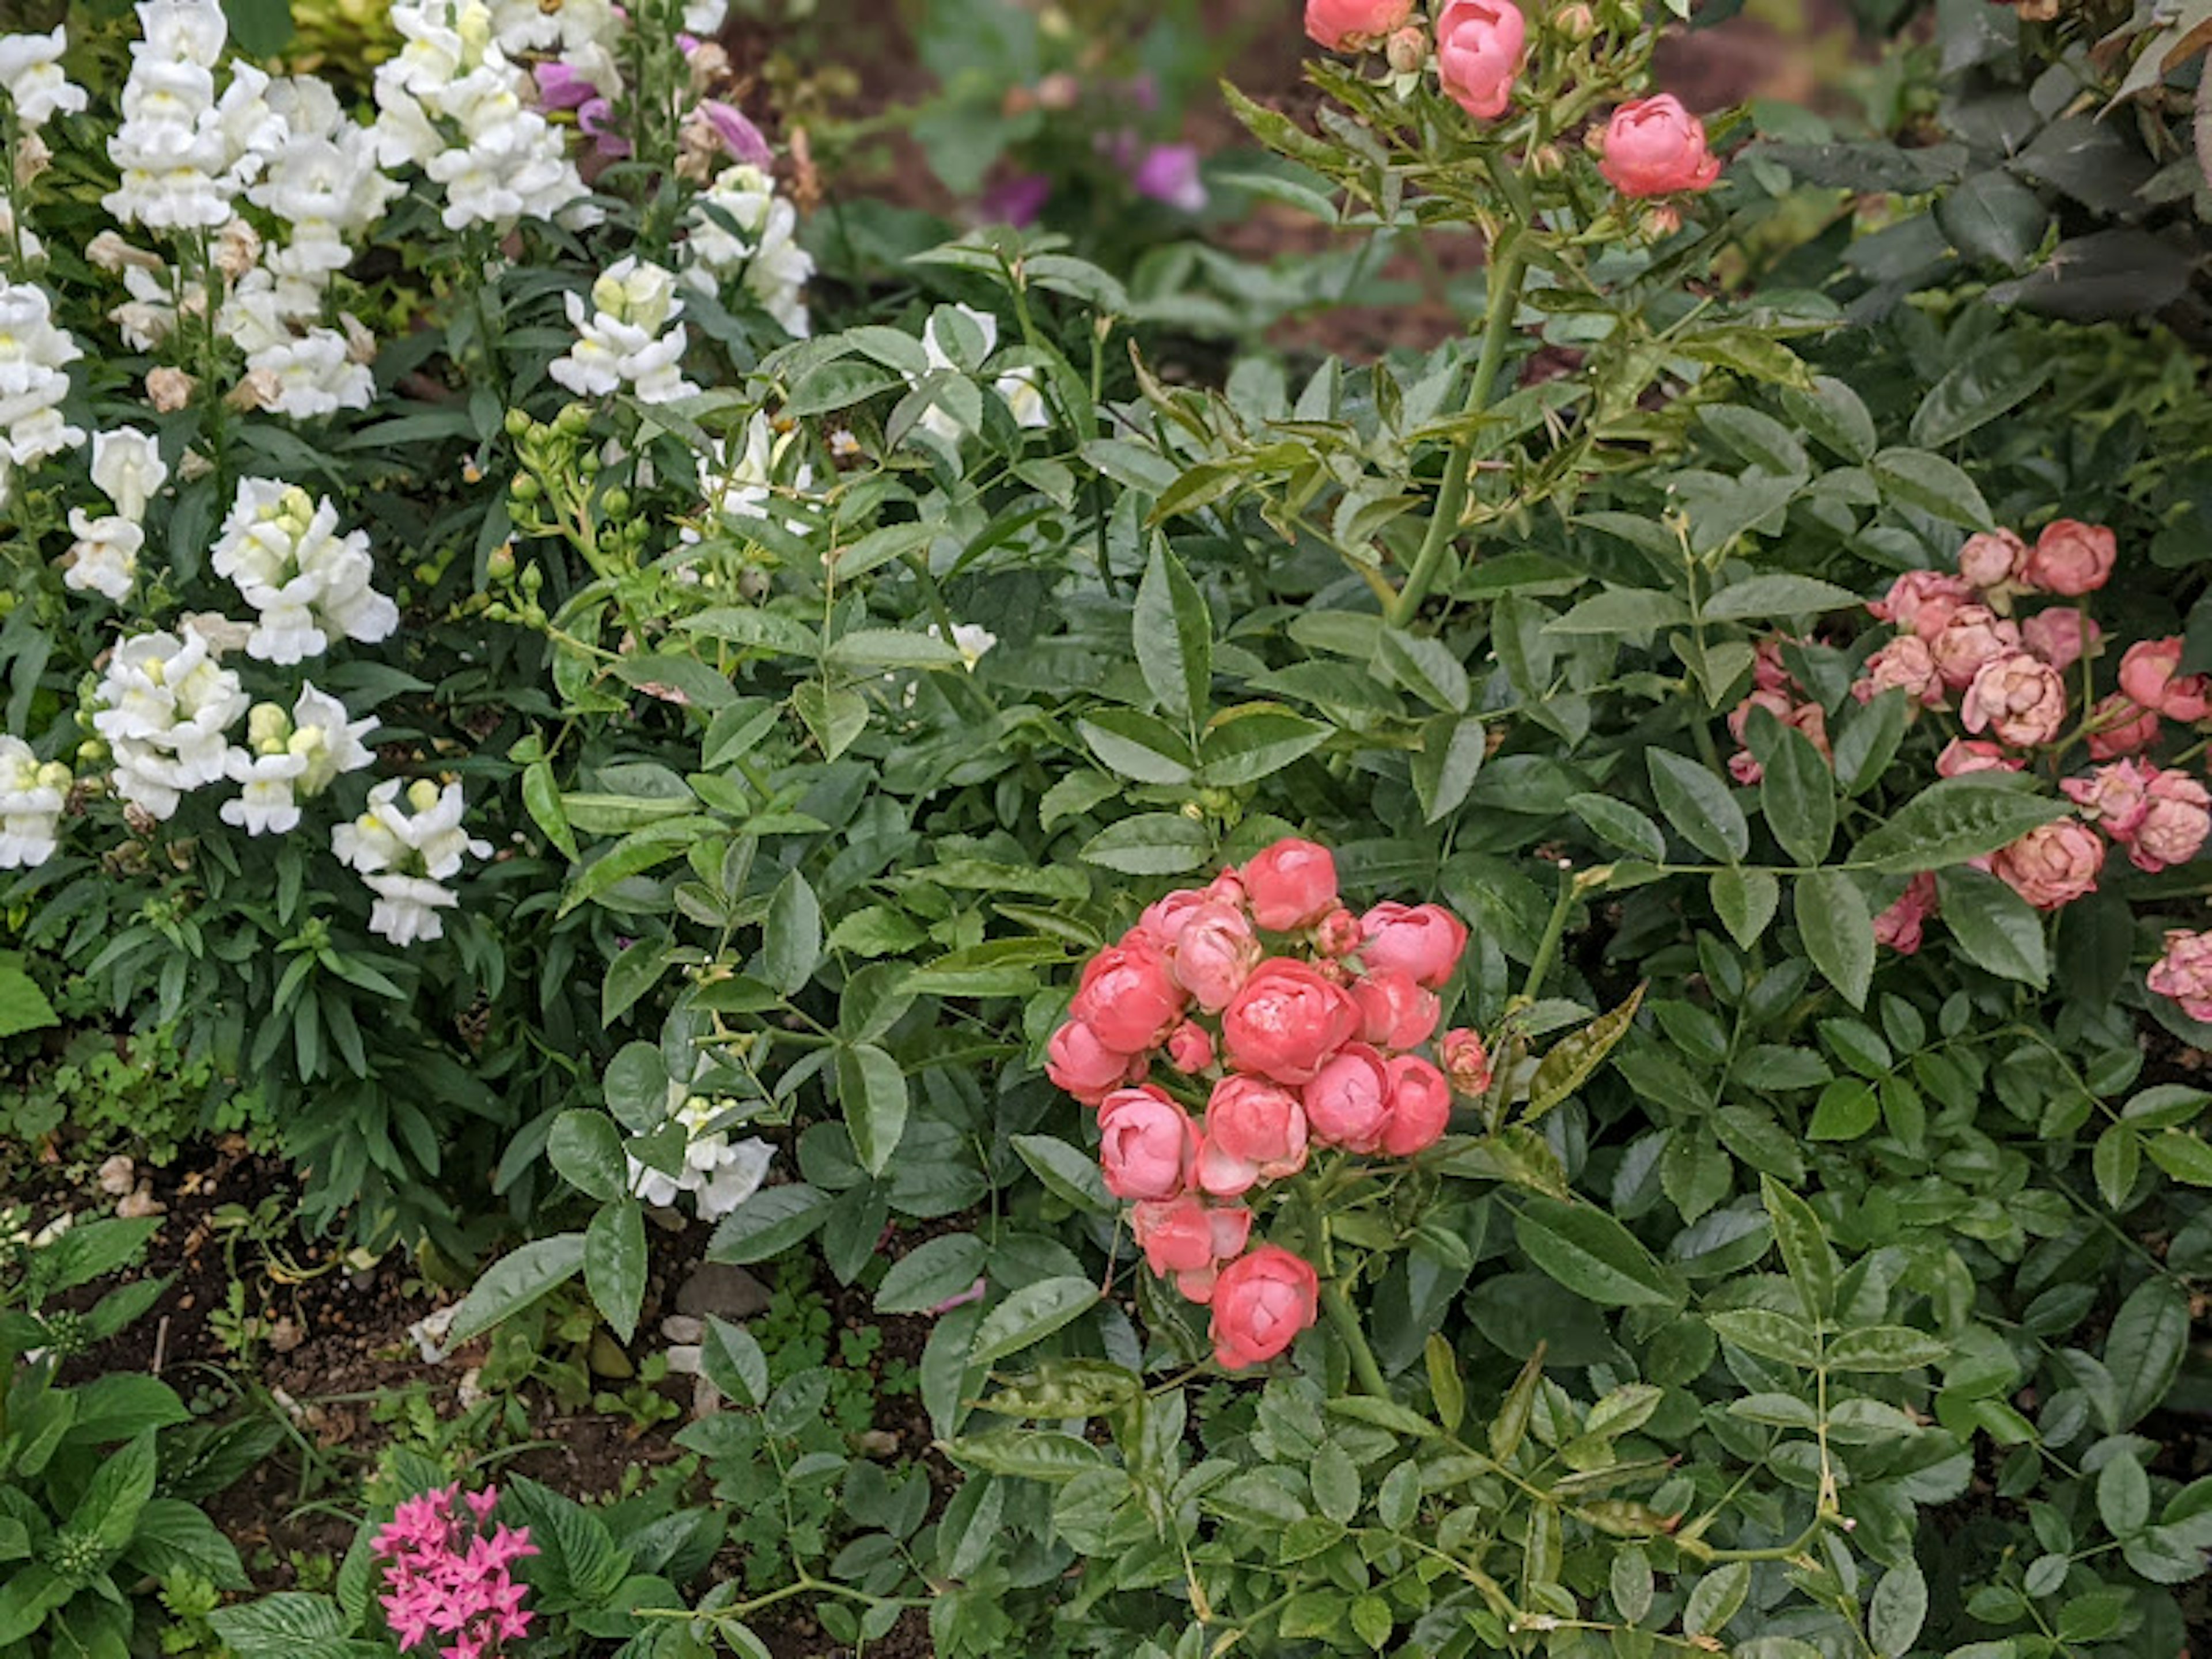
x=2060, y=636
x=2052, y=865
x=1479, y=45
x=1292, y=884
x=1654, y=147
x=1991, y=559
x=1396, y=1011
x=2120, y=725
x=1963, y=756
x=1898, y=926
x=2070, y=557
x=2177, y=818
x=1346, y=25
x=1347, y=1103
x=2018, y=699
x=1260, y=1302
x=444, y=1575
x=1923, y=601
x=2150, y=675
x=1419, y=1106
x=1146, y=1145
x=1974, y=636
x=2184, y=973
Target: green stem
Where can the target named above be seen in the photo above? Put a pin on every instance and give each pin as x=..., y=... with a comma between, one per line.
x=1505, y=302
x=1547, y=949
x=1340, y=1315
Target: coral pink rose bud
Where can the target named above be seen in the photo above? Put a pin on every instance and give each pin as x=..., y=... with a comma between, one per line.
x=1478, y=47
x=1347, y=25
x=2018, y=699
x=1921, y=601
x=1407, y=50
x=1128, y=996
x=1425, y=941
x=1467, y=1062
x=1260, y=1304
x=2184, y=973
x=1396, y=1011
x=1076, y=1060
x=2071, y=557
x=1898, y=926
x=1991, y=559
x=1420, y=1107
x=1214, y=954
x=2175, y=824
x=1906, y=665
x=1348, y=1102
x=1227, y=888
x=1190, y=1048
x=1164, y=919
x=1187, y=1238
x=1147, y=1144
x=2120, y=725
x=1287, y=1022
x=2114, y=798
x=1255, y=1131
x=1975, y=636
x=1339, y=933
x=2051, y=864
x=1654, y=147
x=1290, y=886
x=2061, y=637
x=2149, y=675
x=1963, y=756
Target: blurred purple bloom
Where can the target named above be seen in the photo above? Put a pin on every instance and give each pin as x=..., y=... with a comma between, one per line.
x=740, y=137
x=1145, y=93
x=686, y=44
x=560, y=86
x=1169, y=173
x=1017, y=201
x=593, y=115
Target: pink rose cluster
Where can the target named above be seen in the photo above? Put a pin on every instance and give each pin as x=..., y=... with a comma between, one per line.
x=446, y=1574
x=1775, y=691
x=1650, y=146
x=1296, y=1021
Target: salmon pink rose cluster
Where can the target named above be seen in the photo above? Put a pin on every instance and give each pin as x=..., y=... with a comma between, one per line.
x=1284, y=1023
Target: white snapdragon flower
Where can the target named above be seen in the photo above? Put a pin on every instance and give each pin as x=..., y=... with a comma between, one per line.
x=35, y=251
x=315, y=374
x=741, y=487
x=287, y=759
x=104, y=557
x=281, y=548
x=33, y=380
x=128, y=469
x=150, y=315
x=323, y=179
x=182, y=151
x=629, y=335
x=330, y=742
x=31, y=75
x=970, y=640
x=1018, y=388
x=405, y=854
x=719, y=1173
x=165, y=706
x=32, y=797
x=759, y=239
x=570, y=28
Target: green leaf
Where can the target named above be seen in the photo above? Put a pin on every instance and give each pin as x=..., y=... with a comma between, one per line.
x=1897, y=1610
x=1994, y=380
x=1594, y=1257
x=1806, y=1254
x=1445, y=766
x=1030, y=1315
x=1071, y=1174
x=731, y=1359
x=121, y=1483
x=516, y=1281
x=2123, y=1494
x=1798, y=795
x=615, y=1264
x=585, y=1148
x=2143, y=1350
x=769, y=1222
x=871, y=1089
x=1777, y=1336
x=1573, y=1059
x=1838, y=931
x=791, y=945
x=1622, y=611
x=1717, y=1598
x=1776, y=599
x=1699, y=805
x=1869, y=740
x=29, y=1593
x=933, y=1272
x=1335, y=1483
x=285, y=1625
x=23, y=1006
x=1952, y=821
x=1150, y=844
x=2116, y=1161
x=1745, y=901
x=1173, y=633
x=834, y=717
x=1621, y=826
x=1137, y=745
x=893, y=648
x=1992, y=217
x=1426, y=667
x=1834, y=415
x=1885, y=1348
x=1847, y=1107
x=1446, y=1388
x=1933, y=485
x=260, y=28
x=1995, y=926
x=1246, y=745
x=2182, y=1156
x=1511, y=1426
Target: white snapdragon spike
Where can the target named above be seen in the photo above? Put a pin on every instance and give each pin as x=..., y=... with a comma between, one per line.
x=323, y=179
x=33, y=379
x=281, y=548
x=104, y=557
x=329, y=742
x=758, y=244
x=575, y=30
x=183, y=151
x=32, y=797
x=165, y=706
x=405, y=854
x=628, y=335
x=719, y=1173
x=1018, y=388
x=315, y=376
x=31, y=75
x=741, y=487
x=128, y=469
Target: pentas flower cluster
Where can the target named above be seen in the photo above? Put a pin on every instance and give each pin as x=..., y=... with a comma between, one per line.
x=405, y=855
x=448, y=1575
x=1650, y=146
x=630, y=336
x=1298, y=1021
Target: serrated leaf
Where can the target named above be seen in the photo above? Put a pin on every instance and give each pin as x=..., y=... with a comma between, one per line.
x=1030, y=1315
x=1699, y=805
x=1838, y=929
x=1594, y=1257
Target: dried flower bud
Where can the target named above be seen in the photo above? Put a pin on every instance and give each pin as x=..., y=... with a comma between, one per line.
x=710, y=66
x=32, y=157
x=168, y=390
x=360, y=344
x=109, y=251
x=260, y=388
x=238, y=250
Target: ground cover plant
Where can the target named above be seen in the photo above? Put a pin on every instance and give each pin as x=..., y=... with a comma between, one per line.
x=1543, y=994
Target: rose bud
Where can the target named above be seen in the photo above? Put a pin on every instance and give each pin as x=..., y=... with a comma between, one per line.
x=1654, y=147
x=2018, y=699
x=1214, y=954
x=1396, y=1011
x=2114, y=798
x=1076, y=1060
x=1188, y=1238
x=1163, y=920
x=1255, y=1131
x=2060, y=636
x=1478, y=49
x=1420, y=1107
x=2052, y=865
x=1898, y=926
x=1921, y=601
x=1467, y=1062
x=1425, y=941
x=2184, y=973
x=2119, y=725
x=1190, y=1048
x=1407, y=49
x=2174, y=825
x=2071, y=558
x=1260, y=1304
x=1290, y=886
x=1991, y=559
x=1975, y=636
x=1147, y=1144
x=1338, y=934
x=1964, y=755
x=1348, y=1104
x=2149, y=674
x=1128, y=996
x=1348, y=24
x=1287, y=1022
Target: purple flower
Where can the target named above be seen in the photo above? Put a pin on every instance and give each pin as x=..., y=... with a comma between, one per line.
x=560, y=86
x=594, y=116
x=1017, y=201
x=739, y=136
x=1169, y=173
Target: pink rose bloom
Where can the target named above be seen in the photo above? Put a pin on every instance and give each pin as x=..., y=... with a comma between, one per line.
x=1348, y=1102
x=1923, y=601
x=1654, y=147
x=1343, y=25
x=2175, y=824
x=1164, y=919
x=1395, y=1010
x=1420, y=1107
x=1778, y=703
x=1077, y=1061
x=1478, y=47
x=1287, y=1022
x=1127, y=997
x=1991, y=559
x=1260, y=1304
x=1898, y=926
x=2018, y=699
x=2114, y=798
x=2071, y=557
x=1214, y=953
x=1467, y=1062
x=2185, y=973
x=1974, y=636
x=1189, y=1239
x=2060, y=636
x=1147, y=1144
x=1227, y=888
x=2119, y=725
x=1190, y=1048
x=1807, y=717
x=2051, y=864
x=1339, y=934
x=1255, y=1131
x=1906, y=665
x=1768, y=671
x=1963, y=756
x=1423, y=941
x=2148, y=675
x=1290, y=886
